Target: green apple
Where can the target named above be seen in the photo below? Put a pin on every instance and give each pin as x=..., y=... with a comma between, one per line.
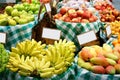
x=22, y=21
x=20, y=7
x=2, y=16
x=12, y=22
x=3, y=22
x=15, y=6
x=36, y=12
x=8, y=10
x=31, y=12
x=16, y=18
x=15, y=12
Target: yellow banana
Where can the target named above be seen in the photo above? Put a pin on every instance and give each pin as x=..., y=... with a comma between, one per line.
x=46, y=74
x=24, y=73
x=69, y=59
x=42, y=63
x=14, y=69
x=49, y=55
x=35, y=53
x=24, y=66
x=15, y=50
x=59, y=71
x=22, y=58
x=46, y=65
x=51, y=69
x=60, y=65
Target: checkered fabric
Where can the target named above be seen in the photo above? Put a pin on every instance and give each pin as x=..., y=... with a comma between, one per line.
x=70, y=31
x=67, y=75
x=17, y=33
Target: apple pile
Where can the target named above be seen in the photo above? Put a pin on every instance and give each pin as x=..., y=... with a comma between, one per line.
x=109, y=15
x=77, y=16
x=100, y=60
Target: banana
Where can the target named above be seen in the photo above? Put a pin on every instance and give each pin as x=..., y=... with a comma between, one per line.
x=46, y=74
x=24, y=66
x=20, y=47
x=46, y=65
x=24, y=73
x=59, y=71
x=60, y=65
x=67, y=63
x=69, y=59
x=67, y=53
x=22, y=58
x=64, y=42
x=14, y=69
x=60, y=41
x=51, y=69
x=30, y=63
x=35, y=53
x=59, y=61
x=15, y=50
x=42, y=63
x=53, y=51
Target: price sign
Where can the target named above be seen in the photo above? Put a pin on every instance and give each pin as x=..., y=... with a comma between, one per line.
x=51, y=33
x=48, y=8
x=10, y=1
x=2, y=37
x=86, y=37
x=108, y=31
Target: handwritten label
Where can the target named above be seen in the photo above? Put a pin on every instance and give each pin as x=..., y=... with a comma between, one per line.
x=51, y=33
x=86, y=37
x=48, y=8
x=108, y=31
x=2, y=37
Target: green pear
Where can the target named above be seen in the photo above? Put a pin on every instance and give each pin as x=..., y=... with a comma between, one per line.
x=16, y=18
x=8, y=10
x=15, y=12
x=22, y=21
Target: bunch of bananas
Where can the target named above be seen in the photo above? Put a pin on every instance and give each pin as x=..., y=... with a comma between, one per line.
x=115, y=27
x=31, y=58
x=3, y=58
x=61, y=55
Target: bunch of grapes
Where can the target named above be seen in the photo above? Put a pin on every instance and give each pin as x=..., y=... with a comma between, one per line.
x=4, y=56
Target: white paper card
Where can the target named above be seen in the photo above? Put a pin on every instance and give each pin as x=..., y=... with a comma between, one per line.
x=108, y=31
x=51, y=33
x=10, y=1
x=86, y=37
x=48, y=8
x=2, y=37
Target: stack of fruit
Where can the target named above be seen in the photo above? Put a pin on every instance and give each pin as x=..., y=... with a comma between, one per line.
x=115, y=27
x=31, y=58
x=3, y=58
x=77, y=16
x=107, y=12
x=116, y=41
x=100, y=60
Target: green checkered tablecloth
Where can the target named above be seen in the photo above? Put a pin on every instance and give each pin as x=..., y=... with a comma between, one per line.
x=67, y=75
x=17, y=33
x=70, y=31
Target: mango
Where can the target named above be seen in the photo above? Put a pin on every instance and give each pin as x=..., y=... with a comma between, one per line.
x=111, y=56
x=98, y=69
x=117, y=68
x=80, y=61
x=110, y=70
x=111, y=61
x=86, y=65
x=99, y=61
x=107, y=48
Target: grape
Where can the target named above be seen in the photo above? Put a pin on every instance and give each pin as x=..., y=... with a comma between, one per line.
x=4, y=56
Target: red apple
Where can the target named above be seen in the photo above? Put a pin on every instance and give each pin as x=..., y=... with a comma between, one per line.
x=57, y=16
x=63, y=10
x=75, y=20
x=97, y=7
x=86, y=14
x=115, y=12
x=84, y=21
x=80, y=12
x=73, y=15
x=67, y=19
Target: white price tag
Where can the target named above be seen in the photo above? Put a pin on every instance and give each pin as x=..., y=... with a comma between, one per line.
x=108, y=31
x=51, y=33
x=48, y=8
x=86, y=37
x=10, y=1
x=2, y=37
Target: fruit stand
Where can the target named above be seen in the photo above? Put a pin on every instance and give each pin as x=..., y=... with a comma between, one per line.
x=25, y=58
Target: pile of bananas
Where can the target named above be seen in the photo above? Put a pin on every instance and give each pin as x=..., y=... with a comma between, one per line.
x=115, y=27
x=31, y=58
x=3, y=58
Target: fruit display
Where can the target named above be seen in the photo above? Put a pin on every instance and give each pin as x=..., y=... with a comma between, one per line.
x=107, y=12
x=3, y=58
x=77, y=16
x=115, y=27
x=100, y=60
x=31, y=58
